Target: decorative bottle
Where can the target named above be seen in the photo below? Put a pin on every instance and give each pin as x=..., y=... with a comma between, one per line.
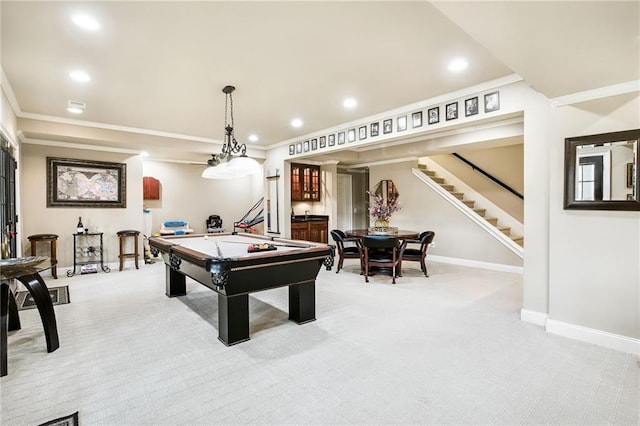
x=80, y=229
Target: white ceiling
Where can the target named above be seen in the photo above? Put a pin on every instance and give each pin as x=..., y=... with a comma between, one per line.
x=161, y=66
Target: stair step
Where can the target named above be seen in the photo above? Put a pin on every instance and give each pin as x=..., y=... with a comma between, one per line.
x=429, y=173
x=492, y=220
x=458, y=195
x=518, y=239
x=506, y=230
x=480, y=211
x=469, y=203
x=437, y=179
x=447, y=186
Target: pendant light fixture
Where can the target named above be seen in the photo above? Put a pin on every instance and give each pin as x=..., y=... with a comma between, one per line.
x=232, y=161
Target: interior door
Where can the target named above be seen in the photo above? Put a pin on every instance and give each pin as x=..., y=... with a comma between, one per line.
x=345, y=207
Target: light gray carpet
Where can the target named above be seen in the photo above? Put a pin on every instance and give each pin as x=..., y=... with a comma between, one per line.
x=449, y=349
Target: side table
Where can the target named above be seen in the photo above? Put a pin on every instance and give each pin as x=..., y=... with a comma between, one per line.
x=27, y=271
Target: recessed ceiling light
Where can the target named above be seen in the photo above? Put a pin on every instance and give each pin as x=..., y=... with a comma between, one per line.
x=80, y=76
x=296, y=122
x=85, y=21
x=350, y=103
x=458, y=64
x=75, y=110
x=253, y=138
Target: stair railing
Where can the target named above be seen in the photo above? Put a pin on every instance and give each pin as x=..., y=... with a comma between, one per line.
x=488, y=175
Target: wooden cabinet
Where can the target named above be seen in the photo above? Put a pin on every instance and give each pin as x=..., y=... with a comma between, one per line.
x=300, y=231
x=305, y=182
x=150, y=188
x=310, y=230
x=318, y=231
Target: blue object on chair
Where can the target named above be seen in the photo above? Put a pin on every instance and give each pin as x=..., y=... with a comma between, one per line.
x=179, y=232
x=175, y=223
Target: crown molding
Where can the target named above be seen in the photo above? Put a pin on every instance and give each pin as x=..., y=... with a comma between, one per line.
x=602, y=92
x=8, y=91
x=383, y=162
x=72, y=145
x=405, y=109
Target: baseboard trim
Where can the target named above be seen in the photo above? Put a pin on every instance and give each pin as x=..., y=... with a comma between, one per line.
x=534, y=317
x=597, y=337
x=476, y=264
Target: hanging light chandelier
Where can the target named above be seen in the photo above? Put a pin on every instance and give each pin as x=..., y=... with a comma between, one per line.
x=232, y=162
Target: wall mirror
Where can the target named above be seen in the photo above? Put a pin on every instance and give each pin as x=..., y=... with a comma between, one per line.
x=601, y=171
x=387, y=190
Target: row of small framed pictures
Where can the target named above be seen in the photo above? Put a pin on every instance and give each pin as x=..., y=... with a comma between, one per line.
x=471, y=107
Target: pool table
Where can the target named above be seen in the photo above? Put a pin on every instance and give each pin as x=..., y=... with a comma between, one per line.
x=223, y=263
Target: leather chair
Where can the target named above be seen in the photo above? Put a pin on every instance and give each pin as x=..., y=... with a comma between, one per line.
x=381, y=251
x=346, y=251
x=416, y=254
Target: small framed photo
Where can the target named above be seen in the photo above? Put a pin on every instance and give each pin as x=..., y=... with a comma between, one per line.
x=323, y=141
x=314, y=144
x=452, y=111
x=387, y=126
x=351, y=135
x=362, y=132
x=416, y=119
x=492, y=101
x=433, y=115
x=299, y=148
x=305, y=146
x=375, y=129
x=341, y=138
x=402, y=123
x=332, y=140
x=292, y=149
x=471, y=107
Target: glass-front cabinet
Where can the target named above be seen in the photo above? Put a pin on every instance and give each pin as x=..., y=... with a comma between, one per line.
x=305, y=182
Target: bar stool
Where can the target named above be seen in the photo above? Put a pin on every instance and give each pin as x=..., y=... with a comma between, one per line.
x=123, y=235
x=46, y=238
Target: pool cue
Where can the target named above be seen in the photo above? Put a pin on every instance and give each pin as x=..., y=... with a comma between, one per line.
x=218, y=248
x=272, y=243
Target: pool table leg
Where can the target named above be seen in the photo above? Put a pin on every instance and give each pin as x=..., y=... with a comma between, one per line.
x=233, y=319
x=175, y=282
x=302, y=302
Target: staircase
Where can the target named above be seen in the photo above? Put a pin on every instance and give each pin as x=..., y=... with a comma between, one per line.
x=470, y=206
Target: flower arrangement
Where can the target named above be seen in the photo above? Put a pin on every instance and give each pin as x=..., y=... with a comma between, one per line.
x=380, y=210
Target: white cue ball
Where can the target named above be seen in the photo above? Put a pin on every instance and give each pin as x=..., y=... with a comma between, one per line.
x=206, y=236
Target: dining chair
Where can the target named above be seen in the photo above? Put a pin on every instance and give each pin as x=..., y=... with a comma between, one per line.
x=416, y=254
x=381, y=251
x=353, y=249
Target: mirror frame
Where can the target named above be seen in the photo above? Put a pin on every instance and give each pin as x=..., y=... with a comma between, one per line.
x=570, y=146
x=387, y=190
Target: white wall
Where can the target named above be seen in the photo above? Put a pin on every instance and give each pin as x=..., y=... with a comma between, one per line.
x=594, y=276
x=457, y=236
x=37, y=218
x=185, y=195
x=505, y=163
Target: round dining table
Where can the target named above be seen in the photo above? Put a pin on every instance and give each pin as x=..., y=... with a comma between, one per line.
x=402, y=234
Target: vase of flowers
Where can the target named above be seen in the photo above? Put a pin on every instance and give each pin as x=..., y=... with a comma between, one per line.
x=381, y=211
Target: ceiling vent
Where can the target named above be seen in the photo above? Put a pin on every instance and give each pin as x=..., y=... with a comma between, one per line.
x=76, y=107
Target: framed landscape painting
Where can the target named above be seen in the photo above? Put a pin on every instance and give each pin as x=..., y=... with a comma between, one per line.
x=84, y=183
